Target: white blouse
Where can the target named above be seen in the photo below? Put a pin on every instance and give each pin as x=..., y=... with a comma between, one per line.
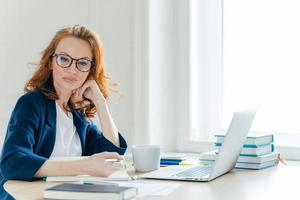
x=67, y=141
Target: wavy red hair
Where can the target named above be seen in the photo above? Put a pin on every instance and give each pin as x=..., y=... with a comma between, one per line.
x=42, y=78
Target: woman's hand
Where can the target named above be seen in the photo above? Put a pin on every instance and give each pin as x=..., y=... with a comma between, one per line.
x=89, y=90
x=94, y=165
x=97, y=166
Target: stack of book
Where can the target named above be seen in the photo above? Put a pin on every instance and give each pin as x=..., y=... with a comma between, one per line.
x=171, y=159
x=257, y=153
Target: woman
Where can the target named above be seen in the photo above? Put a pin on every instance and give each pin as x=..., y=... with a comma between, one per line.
x=52, y=118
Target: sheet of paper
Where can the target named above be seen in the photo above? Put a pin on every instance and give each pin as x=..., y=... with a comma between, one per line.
x=150, y=189
x=120, y=175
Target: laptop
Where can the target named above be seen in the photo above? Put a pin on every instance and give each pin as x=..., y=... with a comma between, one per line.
x=228, y=154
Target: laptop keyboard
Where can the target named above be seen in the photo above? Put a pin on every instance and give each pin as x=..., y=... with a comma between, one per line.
x=195, y=172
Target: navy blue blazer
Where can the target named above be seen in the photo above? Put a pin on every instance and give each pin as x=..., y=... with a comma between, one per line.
x=30, y=137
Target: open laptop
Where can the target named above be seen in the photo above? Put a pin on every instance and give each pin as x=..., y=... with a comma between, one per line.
x=228, y=154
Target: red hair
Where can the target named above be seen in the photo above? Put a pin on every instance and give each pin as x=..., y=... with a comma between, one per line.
x=42, y=78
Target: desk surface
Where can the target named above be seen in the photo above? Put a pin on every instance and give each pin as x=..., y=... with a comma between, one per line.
x=277, y=182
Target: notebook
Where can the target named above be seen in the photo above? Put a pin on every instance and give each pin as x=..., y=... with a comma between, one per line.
x=228, y=154
x=90, y=192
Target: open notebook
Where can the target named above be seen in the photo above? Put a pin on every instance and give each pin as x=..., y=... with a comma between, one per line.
x=120, y=175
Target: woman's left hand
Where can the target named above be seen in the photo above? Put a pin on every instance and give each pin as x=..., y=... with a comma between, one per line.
x=89, y=90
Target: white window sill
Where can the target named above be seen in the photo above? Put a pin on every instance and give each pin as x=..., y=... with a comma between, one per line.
x=293, y=163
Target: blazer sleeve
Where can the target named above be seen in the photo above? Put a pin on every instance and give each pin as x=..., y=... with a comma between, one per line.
x=96, y=142
x=18, y=160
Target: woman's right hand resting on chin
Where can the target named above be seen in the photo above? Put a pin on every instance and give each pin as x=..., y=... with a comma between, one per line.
x=94, y=165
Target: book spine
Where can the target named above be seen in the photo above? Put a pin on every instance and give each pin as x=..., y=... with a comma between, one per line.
x=169, y=162
x=255, y=151
x=245, y=165
x=243, y=158
x=251, y=140
x=217, y=144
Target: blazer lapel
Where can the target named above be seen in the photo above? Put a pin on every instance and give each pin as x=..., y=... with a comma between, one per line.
x=50, y=126
x=81, y=127
x=51, y=113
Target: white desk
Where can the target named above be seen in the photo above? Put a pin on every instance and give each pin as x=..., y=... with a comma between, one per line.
x=279, y=182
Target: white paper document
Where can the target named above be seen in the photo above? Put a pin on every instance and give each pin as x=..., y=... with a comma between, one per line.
x=150, y=189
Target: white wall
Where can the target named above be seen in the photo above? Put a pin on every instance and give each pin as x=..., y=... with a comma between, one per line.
x=26, y=27
x=142, y=55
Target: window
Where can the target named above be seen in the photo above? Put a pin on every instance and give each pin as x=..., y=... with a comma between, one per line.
x=245, y=54
x=215, y=57
x=261, y=62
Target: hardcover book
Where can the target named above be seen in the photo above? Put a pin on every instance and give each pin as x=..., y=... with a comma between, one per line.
x=90, y=192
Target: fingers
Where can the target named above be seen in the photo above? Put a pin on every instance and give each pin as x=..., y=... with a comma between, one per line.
x=76, y=96
x=85, y=86
x=80, y=91
x=111, y=168
x=110, y=155
x=117, y=166
x=79, y=94
x=85, y=103
x=113, y=160
x=117, y=163
x=104, y=164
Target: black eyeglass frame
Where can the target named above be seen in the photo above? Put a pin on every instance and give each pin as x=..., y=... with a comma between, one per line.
x=72, y=59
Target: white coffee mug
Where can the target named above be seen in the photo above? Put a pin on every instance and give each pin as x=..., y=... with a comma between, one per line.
x=146, y=157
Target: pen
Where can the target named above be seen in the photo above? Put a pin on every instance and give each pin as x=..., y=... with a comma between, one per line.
x=117, y=160
x=112, y=160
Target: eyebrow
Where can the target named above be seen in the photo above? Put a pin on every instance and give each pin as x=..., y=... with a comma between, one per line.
x=62, y=52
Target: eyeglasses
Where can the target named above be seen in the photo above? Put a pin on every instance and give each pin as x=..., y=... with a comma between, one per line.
x=65, y=61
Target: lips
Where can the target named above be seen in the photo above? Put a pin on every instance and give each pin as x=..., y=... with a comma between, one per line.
x=69, y=79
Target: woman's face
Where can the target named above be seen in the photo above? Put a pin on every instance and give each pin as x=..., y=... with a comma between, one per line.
x=69, y=78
